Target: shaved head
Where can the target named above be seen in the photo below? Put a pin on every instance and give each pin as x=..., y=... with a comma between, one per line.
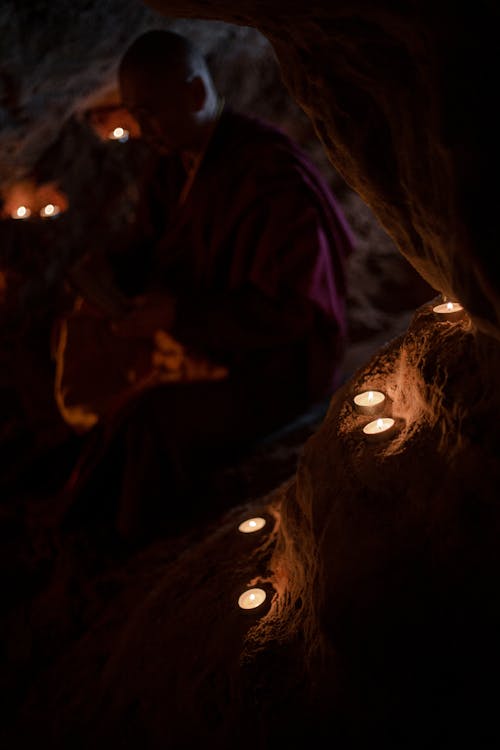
x=166, y=84
x=160, y=54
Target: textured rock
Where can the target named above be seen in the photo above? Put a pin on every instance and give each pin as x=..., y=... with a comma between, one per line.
x=380, y=560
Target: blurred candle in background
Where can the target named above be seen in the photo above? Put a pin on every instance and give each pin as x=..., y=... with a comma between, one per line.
x=49, y=211
x=119, y=134
x=21, y=212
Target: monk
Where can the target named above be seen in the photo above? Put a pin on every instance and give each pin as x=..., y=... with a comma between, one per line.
x=240, y=256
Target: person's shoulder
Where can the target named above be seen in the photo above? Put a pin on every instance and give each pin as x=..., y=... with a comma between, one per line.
x=254, y=129
x=264, y=146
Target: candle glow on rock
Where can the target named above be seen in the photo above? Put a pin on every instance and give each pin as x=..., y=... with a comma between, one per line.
x=21, y=212
x=252, y=524
x=252, y=598
x=380, y=425
x=368, y=402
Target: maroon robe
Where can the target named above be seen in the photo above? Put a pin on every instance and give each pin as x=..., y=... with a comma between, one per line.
x=255, y=257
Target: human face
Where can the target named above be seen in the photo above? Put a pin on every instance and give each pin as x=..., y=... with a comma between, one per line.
x=165, y=112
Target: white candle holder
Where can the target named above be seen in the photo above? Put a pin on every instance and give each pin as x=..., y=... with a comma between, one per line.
x=369, y=402
x=449, y=311
x=252, y=598
x=252, y=525
x=380, y=428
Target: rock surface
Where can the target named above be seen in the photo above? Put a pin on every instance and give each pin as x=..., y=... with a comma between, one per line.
x=379, y=559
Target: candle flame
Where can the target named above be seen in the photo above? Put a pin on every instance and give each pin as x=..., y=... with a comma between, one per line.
x=449, y=305
x=370, y=395
x=380, y=424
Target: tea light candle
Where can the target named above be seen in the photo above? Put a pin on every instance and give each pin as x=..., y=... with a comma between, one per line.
x=119, y=134
x=378, y=426
x=449, y=311
x=251, y=525
x=21, y=212
x=369, y=402
x=252, y=598
x=49, y=211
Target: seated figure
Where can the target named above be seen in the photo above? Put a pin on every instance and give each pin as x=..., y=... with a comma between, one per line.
x=234, y=273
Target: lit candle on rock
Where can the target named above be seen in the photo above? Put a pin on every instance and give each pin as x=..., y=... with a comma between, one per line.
x=252, y=598
x=380, y=426
x=252, y=524
x=49, y=211
x=449, y=311
x=119, y=134
x=21, y=212
x=369, y=402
